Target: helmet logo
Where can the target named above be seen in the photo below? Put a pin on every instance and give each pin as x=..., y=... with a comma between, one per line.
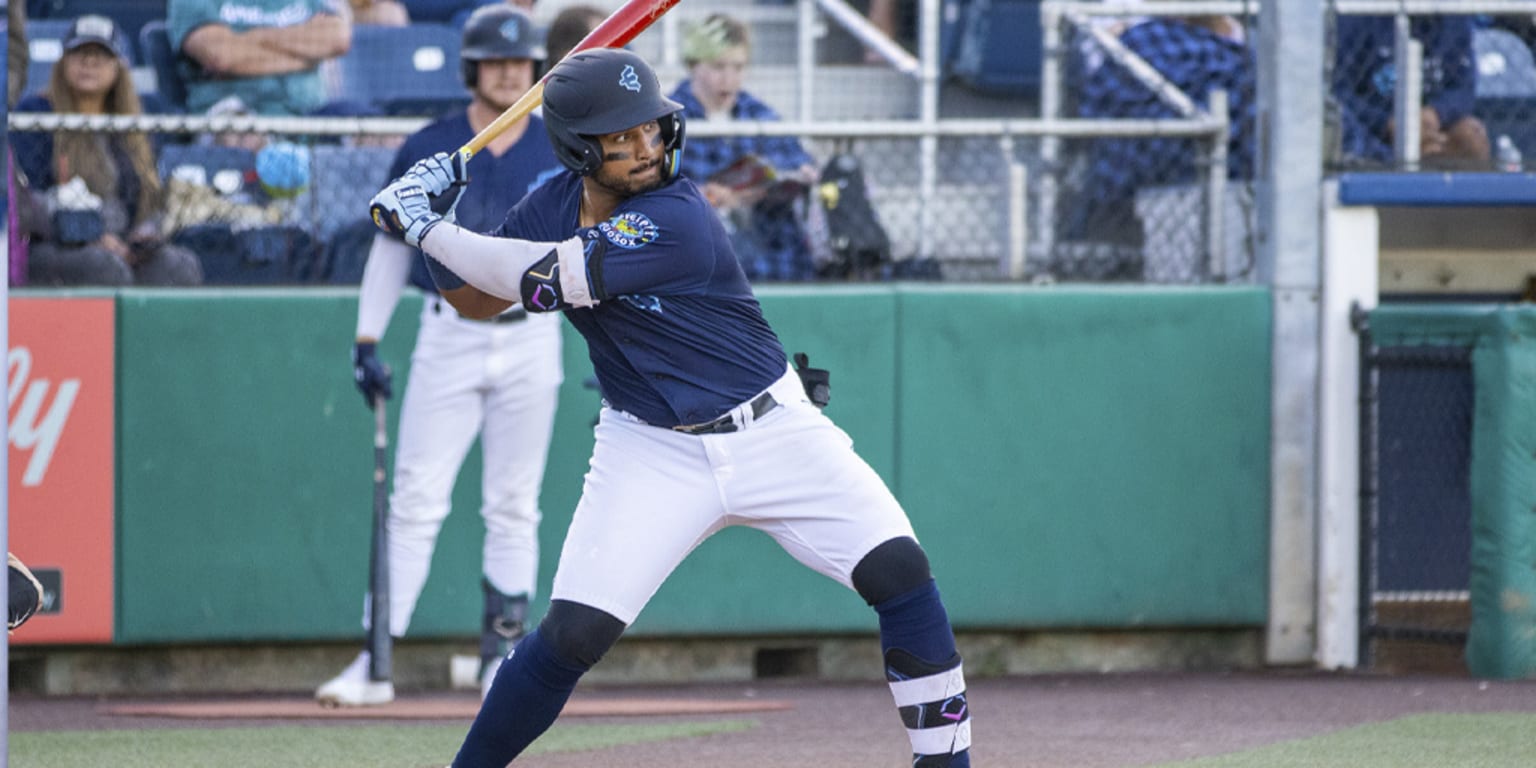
x=509, y=29
x=629, y=79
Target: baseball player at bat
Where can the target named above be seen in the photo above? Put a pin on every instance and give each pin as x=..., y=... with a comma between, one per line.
x=704, y=423
x=496, y=377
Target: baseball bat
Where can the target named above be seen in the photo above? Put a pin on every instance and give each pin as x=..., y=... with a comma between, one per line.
x=622, y=26
x=379, y=641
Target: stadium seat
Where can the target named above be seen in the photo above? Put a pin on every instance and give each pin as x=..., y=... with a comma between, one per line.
x=993, y=46
x=264, y=255
x=410, y=70
x=1506, y=87
x=155, y=41
x=238, y=255
x=230, y=170
x=130, y=15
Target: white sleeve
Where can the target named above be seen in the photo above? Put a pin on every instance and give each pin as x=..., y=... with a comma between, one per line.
x=493, y=264
x=384, y=277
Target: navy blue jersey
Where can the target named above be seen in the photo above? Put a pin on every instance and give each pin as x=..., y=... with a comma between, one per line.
x=678, y=337
x=496, y=183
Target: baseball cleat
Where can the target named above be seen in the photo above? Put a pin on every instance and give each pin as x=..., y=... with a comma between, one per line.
x=352, y=688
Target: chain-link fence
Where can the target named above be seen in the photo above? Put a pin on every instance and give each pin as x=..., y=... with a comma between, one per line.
x=1155, y=209
x=1123, y=181
x=1416, y=530
x=1418, y=85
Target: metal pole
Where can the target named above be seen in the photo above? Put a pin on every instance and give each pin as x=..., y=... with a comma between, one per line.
x=1051, y=71
x=1216, y=191
x=1013, y=266
x=928, y=54
x=1290, y=184
x=806, y=36
x=1408, y=61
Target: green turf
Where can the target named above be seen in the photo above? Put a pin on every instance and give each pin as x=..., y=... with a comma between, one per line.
x=1505, y=740
x=323, y=746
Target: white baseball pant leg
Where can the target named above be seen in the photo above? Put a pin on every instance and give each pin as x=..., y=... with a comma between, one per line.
x=653, y=494
x=525, y=368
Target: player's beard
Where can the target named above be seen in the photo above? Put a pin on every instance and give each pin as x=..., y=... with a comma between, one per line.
x=632, y=182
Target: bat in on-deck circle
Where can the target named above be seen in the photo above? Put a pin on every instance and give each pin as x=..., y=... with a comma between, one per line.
x=616, y=31
x=380, y=644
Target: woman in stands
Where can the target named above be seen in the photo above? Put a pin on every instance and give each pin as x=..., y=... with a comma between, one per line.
x=99, y=196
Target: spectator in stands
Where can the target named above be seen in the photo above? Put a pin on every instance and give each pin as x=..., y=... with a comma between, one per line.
x=17, y=56
x=1365, y=83
x=753, y=182
x=267, y=53
x=17, y=59
x=383, y=13
x=1195, y=54
x=572, y=24
x=104, y=194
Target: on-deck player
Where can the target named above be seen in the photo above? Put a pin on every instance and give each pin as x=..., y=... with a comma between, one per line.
x=704, y=424
x=497, y=376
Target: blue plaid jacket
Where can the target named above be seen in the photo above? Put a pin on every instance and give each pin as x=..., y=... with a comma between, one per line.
x=1195, y=60
x=772, y=246
x=702, y=158
x=1364, y=78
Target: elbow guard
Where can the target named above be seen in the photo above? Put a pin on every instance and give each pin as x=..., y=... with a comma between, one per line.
x=566, y=281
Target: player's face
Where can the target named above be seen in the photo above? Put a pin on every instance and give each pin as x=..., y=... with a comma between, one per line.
x=503, y=81
x=716, y=83
x=631, y=160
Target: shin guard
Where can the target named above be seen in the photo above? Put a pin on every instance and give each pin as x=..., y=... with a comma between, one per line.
x=501, y=624
x=926, y=677
x=931, y=701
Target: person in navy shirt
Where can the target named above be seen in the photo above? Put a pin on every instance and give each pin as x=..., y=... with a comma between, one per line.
x=1365, y=84
x=704, y=423
x=497, y=378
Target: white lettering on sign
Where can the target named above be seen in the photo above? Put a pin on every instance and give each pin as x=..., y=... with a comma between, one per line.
x=32, y=427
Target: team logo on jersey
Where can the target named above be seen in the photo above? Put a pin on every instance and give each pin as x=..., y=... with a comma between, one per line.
x=629, y=79
x=630, y=229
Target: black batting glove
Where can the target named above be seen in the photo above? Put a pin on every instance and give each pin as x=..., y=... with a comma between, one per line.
x=370, y=373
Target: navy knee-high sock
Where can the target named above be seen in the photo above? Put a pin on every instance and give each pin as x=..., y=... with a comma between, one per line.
x=926, y=678
x=531, y=688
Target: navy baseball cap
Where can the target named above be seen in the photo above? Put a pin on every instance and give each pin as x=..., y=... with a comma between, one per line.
x=94, y=29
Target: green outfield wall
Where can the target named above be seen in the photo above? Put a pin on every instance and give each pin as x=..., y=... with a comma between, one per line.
x=1070, y=458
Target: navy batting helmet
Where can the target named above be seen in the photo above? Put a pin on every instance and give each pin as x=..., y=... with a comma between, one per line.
x=498, y=32
x=601, y=91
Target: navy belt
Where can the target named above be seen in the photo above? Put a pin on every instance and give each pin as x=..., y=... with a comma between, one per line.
x=513, y=315
x=760, y=406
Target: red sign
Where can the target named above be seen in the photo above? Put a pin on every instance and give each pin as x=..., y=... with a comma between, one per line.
x=60, y=380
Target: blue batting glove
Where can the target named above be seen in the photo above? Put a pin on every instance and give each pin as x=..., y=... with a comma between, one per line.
x=444, y=176
x=371, y=374
x=404, y=209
